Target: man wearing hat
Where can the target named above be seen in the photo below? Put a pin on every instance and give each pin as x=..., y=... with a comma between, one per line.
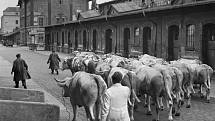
x=53, y=62
x=115, y=101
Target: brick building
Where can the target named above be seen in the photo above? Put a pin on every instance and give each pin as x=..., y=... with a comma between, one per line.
x=33, y=16
x=167, y=29
x=10, y=19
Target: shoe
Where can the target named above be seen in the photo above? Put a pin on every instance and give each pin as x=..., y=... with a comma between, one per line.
x=16, y=86
x=25, y=87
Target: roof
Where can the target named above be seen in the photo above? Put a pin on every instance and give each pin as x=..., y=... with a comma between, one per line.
x=12, y=9
x=125, y=7
x=90, y=14
x=140, y=11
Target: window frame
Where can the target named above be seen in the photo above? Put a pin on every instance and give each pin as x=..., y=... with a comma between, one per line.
x=190, y=36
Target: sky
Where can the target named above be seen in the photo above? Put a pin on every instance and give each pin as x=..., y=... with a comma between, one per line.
x=6, y=3
x=12, y=3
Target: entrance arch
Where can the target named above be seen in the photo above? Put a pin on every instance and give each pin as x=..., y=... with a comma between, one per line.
x=76, y=40
x=146, y=39
x=126, y=41
x=94, y=39
x=208, y=44
x=108, y=41
x=173, y=44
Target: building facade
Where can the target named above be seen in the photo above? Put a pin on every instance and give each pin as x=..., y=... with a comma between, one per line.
x=170, y=30
x=10, y=19
x=33, y=16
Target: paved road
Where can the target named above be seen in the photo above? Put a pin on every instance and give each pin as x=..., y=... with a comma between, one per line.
x=38, y=68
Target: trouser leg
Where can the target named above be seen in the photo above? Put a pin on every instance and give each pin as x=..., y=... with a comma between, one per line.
x=24, y=84
x=52, y=71
x=56, y=71
x=16, y=84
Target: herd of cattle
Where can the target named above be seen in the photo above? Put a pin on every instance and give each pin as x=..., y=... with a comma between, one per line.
x=153, y=78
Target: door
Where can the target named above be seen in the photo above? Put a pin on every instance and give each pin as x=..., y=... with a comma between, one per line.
x=208, y=44
x=173, y=44
x=94, y=39
x=126, y=40
x=76, y=40
x=146, y=39
x=108, y=41
x=84, y=40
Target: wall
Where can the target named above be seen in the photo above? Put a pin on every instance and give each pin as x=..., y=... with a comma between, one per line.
x=9, y=23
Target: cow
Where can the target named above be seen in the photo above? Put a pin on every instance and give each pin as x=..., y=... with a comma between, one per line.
x=84, y=89
x=187, y=84
x=130, y=80
x=173, y=86
x=151, y=83
x=202, y=76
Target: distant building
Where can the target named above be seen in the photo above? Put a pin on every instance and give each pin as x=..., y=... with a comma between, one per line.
x=10, y=19
x=35, y=14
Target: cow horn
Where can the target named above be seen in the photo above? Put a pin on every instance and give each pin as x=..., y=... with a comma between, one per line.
x=57, y=80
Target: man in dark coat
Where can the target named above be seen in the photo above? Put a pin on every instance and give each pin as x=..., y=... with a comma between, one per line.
x=20, y=71
x=53, y=62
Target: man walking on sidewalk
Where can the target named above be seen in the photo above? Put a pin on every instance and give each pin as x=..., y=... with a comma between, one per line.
x=20, y=71
x=53, y=62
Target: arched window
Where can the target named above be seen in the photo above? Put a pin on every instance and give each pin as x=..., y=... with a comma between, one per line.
x=136, y=36
x=190, y=37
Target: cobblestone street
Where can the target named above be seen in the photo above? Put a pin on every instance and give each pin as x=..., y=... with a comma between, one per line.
x=43, y=80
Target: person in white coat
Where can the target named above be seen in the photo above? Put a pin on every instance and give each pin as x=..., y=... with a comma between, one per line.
x=115, y=101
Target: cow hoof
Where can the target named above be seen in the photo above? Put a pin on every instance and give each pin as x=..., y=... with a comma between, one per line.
x=182, y=103
x=202, y=96
x=162, y=108
x=173, y=110
x=155, y=120
x=177, y=114
x=149, y=113
x=188, y=106
x=145, y=106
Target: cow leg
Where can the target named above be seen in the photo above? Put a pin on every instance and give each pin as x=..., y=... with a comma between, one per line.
x=92, y=117
x=145, y=100
x=74, y=107
x=131, y=109
x=87, y=113
x=178, y=104
x=149, y=111
x=161, y=103
x=98, y=110
x=207, y=91
x=157, y=108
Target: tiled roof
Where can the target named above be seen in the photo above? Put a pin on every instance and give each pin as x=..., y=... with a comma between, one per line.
x=90, y=14
x=125, y=7
x=12, y=9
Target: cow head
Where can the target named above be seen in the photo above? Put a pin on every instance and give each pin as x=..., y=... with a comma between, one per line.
x=64, y=84
x=66, y=63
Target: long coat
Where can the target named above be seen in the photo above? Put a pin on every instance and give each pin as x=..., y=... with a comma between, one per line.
x=20, y=69
x=54, y=61
x=115, y=105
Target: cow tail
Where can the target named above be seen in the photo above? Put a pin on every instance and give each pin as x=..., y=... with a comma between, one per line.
x=100, y=85
x=133, y=93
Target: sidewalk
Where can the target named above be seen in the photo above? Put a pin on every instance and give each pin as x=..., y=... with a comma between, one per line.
x=6, y=81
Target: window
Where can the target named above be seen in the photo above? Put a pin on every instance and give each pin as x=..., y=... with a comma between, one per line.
x=17, y=22
x=57, y=20
x=40, y=21
x=136, y=36
x=190, y=34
